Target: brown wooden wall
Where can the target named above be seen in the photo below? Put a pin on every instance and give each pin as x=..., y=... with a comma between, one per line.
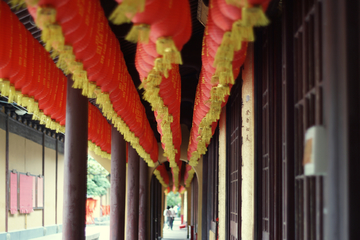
x=288, y=68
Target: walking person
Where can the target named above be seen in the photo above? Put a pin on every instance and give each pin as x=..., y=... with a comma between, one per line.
x=172, y=217
x=168, y=216
x=165, y=218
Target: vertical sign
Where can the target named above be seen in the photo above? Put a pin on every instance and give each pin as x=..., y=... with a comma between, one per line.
x=247, y=150
x=13, y=192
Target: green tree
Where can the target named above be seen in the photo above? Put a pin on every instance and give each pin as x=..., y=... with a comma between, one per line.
x=173, y=199
x=97, y=183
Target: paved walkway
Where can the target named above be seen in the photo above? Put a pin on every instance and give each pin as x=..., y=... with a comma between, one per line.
x=176, y=233
x=103, y=230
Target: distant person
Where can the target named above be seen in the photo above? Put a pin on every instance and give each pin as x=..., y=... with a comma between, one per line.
x=166, y=222
x=168, y=217
x=173, y=214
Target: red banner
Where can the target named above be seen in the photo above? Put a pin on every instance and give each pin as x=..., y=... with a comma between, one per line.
x=26, y=191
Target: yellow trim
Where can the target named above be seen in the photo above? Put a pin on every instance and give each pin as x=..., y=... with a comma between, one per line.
x=125, y=11
x=175, y=171
x=97, y=150
x=32, y=106
x=165, y=46
x=151, y=94
x=68, y=64
x=190, y=177
x=139, y=32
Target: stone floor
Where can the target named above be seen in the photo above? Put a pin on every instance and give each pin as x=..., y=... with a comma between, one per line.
x=103, y=230
x=176, y=233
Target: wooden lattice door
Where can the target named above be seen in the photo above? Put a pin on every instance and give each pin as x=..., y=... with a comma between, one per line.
x=234, y=162
x=308, y=112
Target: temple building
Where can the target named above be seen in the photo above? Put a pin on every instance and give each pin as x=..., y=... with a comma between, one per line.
x=249, y=109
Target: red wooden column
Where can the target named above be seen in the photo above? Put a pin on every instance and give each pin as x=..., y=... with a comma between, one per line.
x=75, y=164
x=132, y=218
x=143, y=189
x=118, y=187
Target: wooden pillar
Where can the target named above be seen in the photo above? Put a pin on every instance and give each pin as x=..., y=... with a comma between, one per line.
x=75, y=164
x=118, y=187
x=132, y=218
x=143, y=189
x=182, y=208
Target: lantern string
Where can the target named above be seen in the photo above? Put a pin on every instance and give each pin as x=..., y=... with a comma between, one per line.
x=52, y=35
x=223, y=78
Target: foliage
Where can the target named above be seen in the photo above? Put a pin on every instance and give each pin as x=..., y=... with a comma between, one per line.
x=97, y=183
x=173, y=199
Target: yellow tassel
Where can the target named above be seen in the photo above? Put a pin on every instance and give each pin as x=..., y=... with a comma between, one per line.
x=153, y=79
x=165, y=46
x=5, y=88
x=140, y=32
x=226, y=77
x=126, y=11
x=53, y=37
x=30, y=105
x=12, y=94
x=224, y=73
x=240, y=32
x=237, y=3
x=225, y=52
x=162, y=66
x=254, y=16
x=45, y=16
x=88, y=90
x=118, y=16
x=19, y=98
x=66, y=58
x=35, y=106
x=32, y=3
x=18, y=4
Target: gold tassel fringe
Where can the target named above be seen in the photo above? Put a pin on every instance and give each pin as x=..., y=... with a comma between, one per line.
x=242, y=30
x=159, y=177
x=53, y=37
x=237, y=3
x=139, y=32
x=254, y=16
x=32, y=106
x=165, y=46
x=18, y=4
x=93, y=147
x=190, y=177
x=125, y=11
x=151, y=94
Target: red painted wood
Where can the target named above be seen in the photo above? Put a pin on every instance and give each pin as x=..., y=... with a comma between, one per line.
x=132, y=218
x=118, y=187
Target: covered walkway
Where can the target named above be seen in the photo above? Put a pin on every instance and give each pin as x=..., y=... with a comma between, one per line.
x=260, y=138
